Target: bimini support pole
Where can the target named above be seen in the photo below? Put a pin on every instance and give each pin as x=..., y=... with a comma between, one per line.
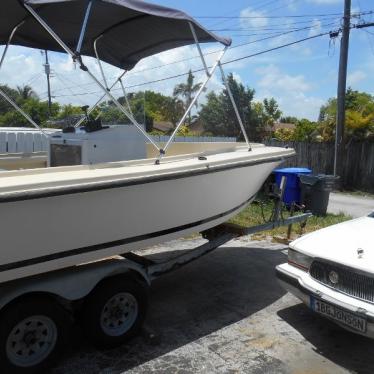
x=226, y=83
x=118, y=80
x=99, y=62
x=92, y=108
x=21, y=111
x=76, y=56
x=104, y=78
x=125, y=96
x=193, y=102
x=9, y=41
x=6, y=96
x=84, y=26
x=199, y=48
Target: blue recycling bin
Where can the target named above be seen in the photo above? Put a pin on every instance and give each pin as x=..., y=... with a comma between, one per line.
x=292, y=191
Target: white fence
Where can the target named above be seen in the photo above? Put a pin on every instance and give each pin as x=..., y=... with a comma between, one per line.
x=27, y=140
x=23, y=140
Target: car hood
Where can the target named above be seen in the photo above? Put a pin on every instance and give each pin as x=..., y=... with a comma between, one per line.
x=340, y=243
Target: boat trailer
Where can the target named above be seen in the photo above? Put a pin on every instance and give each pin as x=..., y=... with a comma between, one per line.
x=216, y=236
x=108, y=297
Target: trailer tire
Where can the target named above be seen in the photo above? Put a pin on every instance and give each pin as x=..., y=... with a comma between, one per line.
x=33, y=332
x=114, y=312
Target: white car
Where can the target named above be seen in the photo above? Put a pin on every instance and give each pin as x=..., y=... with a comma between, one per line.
x=332, y=271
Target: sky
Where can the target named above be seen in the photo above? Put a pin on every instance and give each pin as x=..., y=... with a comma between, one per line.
x=301, y=77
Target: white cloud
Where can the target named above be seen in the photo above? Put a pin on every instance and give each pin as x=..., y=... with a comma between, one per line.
x=71, y=85
x=315, y=28
x=273, y=78
x=299, y=48
x=291, y=92
x=246, y=23
x=325, y=2
x=355, y=77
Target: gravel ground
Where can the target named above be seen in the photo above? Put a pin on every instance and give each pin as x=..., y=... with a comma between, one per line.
x=225, y=313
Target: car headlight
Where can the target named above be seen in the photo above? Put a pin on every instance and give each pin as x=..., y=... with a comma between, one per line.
x=299, y=260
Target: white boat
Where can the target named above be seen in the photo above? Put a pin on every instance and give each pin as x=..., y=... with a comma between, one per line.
x=63, y=216
x=59, y=217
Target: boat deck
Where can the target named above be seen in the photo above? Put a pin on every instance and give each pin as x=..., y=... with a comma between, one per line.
x=57, y=177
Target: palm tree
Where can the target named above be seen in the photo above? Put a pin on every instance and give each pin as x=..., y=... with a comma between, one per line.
x=172, y=109
x=187, y=92
x=26, y=92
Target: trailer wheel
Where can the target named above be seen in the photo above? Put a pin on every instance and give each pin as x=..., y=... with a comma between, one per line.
x=32, y=334
x=114, y=312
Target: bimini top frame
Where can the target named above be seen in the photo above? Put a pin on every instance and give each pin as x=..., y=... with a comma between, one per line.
x=156, y=28
x=132, y=29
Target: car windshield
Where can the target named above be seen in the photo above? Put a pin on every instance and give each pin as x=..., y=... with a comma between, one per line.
x=371, y=214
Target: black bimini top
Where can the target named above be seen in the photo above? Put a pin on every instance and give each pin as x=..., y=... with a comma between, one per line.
x=130, y=29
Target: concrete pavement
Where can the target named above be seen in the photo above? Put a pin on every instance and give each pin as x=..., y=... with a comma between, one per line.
x=355, y=206
x=226, y=313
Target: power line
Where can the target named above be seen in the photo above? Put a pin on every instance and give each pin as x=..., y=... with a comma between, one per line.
x=290, y=31
x=285, y=26
x=363, y=25
x=369, y=40
x=290, y=22
x=33, y=78
x=286, y=16
x=256, y=8
x=272, y=35
x=199, y=70
x=276, y=48
x=61, y=79
x=223, y=63
x=134, y=72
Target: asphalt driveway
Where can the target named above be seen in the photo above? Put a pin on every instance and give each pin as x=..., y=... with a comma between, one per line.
x=355, y=206
x=226, y=313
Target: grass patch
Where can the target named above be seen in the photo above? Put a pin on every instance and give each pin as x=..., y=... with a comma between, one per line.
x=255, y=213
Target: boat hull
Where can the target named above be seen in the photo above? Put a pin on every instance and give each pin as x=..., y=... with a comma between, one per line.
x=44, y=233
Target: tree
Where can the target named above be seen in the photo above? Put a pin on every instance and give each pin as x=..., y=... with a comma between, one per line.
x=288, y=119
x=272, y=112
x=36, y=109
x=4, y=105
x=284, y=134
x=26, y=92
x=172, y=110
x=260, y=120
x=359, y=116
x=267, y=113
x=218, y=115
x=305, y=130
x=186, y=91
x=69, y=111
x=146, y=107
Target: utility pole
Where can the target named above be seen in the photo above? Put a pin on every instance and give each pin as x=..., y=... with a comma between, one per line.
x=342, y=83
x=47, y=69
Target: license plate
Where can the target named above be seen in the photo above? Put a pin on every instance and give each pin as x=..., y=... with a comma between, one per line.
x=342, y=316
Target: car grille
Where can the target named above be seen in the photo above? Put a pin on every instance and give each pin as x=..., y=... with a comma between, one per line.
x=350, y=282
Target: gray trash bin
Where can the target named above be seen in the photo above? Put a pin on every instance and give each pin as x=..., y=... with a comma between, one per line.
x=315, y=192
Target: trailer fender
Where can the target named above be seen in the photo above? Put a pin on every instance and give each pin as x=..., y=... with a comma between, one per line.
x=72, y=283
